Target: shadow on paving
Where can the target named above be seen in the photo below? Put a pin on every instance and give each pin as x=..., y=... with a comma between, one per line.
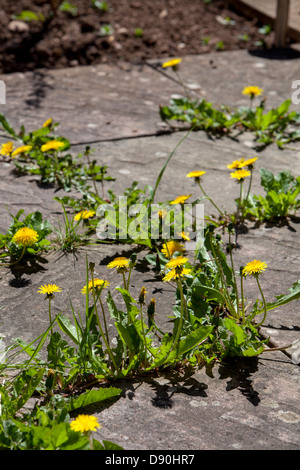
x=237, y=405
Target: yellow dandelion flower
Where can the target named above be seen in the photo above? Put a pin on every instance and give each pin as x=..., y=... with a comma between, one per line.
x=25, y=236
x=181, y=199
x=171, y=63
x=254, y=268
x=52, y=145
x=184, y=236
x=48, y=122
x=236, y=164
x=252, y=91
x=86, y=214
x=169, y=248
x=240, y=174
x=177, y=262
x=7, y=149
x=22, y=149
x=98, y=284
x=120, y=263
x=173, y=274
x=85, y=423
x=250, y=161
x=195, y=174
x=49, y=289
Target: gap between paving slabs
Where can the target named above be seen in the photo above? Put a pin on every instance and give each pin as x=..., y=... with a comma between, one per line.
x=123, y=155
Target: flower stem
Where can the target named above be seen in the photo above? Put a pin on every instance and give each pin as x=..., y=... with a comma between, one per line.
x=17, y=261
x=250, y=184
x=101, y=329
x=154, y=325
x=242, y=295
x=176, y=341
x=240, y=205
x=264, y=302
x=229, y=303
x=91, y=441
x=104, y=319
x=143, y=331
x=128, y=279
x=248, y=193
x=50, y=320
x=124, y=280
x=167, y=248
x=211, y=201
x=234, y=277
x=182, y=84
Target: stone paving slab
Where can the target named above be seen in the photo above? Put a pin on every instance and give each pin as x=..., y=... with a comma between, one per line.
x=243, y=405
x=221, y=77
x=252, y=405
x=90, y=103
x=113, y=102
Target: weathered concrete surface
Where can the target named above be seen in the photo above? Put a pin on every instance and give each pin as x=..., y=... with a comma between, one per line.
x=245, y=405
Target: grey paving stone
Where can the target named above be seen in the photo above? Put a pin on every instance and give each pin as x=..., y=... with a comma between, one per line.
x=237, y=406
x=90, y=103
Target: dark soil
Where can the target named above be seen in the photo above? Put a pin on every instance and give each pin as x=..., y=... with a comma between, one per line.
x=139, y=30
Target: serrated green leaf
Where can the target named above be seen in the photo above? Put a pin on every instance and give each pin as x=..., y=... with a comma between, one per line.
x=29, y=388
x=284, y=299
x=239, y=333
x=190, y=342
x=67, y=327
x=125, y=336
x=200, y=290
